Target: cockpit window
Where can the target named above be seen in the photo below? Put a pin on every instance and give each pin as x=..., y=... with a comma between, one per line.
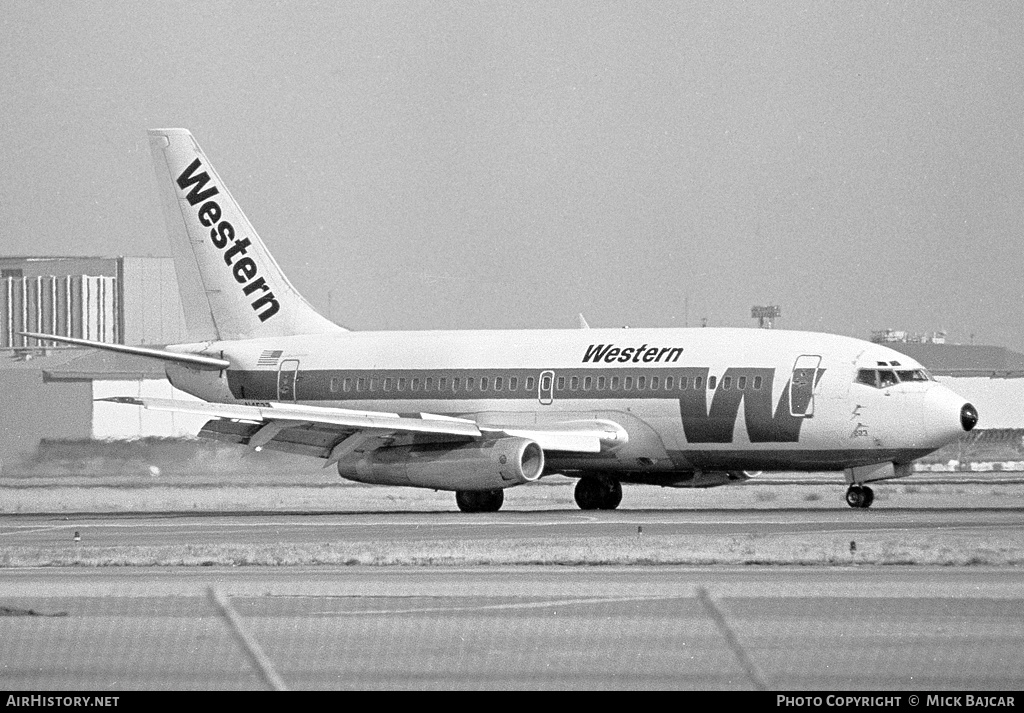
x=867, y=376
x=884, y=378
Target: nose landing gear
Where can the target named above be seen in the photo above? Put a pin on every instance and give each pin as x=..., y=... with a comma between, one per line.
x=860, y=496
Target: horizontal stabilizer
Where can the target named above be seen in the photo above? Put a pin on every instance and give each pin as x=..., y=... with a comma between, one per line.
x=196, y=361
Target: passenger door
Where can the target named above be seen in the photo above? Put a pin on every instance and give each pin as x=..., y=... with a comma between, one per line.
x=546, y=388
x=287, y=375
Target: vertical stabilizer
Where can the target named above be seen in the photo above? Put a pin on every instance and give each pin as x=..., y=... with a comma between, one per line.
x=231, y=287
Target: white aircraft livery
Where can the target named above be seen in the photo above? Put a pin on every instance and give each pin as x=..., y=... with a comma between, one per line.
x=476, y=412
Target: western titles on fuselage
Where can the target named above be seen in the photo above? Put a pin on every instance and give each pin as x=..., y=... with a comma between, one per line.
x=610, y=353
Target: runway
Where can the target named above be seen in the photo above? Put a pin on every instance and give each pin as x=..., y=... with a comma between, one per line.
x=848, y=629
x=844, y=627
x=301, y=528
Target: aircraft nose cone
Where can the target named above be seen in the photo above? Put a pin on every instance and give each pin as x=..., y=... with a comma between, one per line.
x=968, y=417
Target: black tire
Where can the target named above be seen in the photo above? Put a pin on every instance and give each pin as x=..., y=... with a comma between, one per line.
x=587, y=494
x=855, y=497
x=612, y=494
x=869, y=497
x=479, y=500
x=598, y=492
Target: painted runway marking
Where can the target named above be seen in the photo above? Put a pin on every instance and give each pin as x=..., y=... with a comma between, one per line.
x=494, y=607
x=17, y=531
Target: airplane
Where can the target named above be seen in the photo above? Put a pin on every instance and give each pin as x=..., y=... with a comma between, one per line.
x=476, y=412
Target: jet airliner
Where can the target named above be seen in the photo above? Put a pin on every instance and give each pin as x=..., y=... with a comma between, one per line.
x=476, y=412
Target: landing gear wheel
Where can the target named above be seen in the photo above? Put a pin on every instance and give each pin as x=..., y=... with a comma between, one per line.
x=479, y=500
x=860, y=496
x=598, y=492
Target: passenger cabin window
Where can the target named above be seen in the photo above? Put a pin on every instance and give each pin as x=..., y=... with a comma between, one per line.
x=641, y=382
x=727, y=382
x=529, y=383
x=741, y=383
x=757, y=383
x=513, y=383
x=712, y=382
x=497, y=383
x=560, y=383
x=346, y=385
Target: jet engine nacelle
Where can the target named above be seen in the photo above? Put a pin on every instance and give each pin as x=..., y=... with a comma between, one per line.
x=482, y=465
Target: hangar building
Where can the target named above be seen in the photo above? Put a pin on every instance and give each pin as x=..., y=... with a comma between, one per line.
x=48, y=391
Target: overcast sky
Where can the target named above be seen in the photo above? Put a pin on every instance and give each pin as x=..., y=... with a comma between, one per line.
x=422, y=165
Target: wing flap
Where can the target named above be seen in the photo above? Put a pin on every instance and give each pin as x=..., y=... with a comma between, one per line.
x=317, y=415
x=305, y=440
x=318, y=430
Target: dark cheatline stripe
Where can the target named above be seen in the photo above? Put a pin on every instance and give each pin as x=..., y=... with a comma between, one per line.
x=494, y=384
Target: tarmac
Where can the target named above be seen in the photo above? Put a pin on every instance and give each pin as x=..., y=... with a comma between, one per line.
x=839, y=628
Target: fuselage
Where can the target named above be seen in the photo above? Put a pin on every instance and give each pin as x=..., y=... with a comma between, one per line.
x=689, y=399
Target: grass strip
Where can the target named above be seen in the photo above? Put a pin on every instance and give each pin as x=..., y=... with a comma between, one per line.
x=829, y=551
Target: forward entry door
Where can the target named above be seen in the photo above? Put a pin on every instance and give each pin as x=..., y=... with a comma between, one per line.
x=287, y=375
x=801, y=385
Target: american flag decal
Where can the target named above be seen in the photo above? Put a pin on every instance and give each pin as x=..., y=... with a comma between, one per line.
x=269, y=357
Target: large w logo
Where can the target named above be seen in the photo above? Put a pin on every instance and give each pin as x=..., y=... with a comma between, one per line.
x=716, y=425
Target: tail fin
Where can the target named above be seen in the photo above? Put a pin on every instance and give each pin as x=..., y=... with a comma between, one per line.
x=231, y=287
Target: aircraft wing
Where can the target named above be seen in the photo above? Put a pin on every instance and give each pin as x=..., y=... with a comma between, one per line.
x=332, y=433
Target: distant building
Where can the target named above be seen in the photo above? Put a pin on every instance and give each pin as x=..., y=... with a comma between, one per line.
x=123, y=300
x=49, y=391
x=52, y=397
x=889, y=336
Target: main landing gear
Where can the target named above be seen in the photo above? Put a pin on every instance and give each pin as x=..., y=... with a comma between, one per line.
x=860, y=496
x=598, y=492
x=479, y=500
